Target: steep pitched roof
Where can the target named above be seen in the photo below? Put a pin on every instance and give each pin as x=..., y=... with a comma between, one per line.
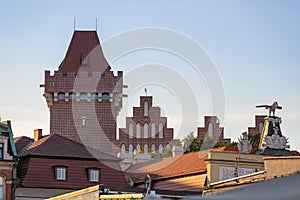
x=84, y=46
x=58, y=146
x=5, y=128
x=186, y=164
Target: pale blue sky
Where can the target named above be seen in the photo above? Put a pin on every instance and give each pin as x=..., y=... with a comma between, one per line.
x=254, y=44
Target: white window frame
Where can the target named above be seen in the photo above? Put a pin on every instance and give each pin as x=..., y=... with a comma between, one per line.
x=61, y=173
x=94, y=175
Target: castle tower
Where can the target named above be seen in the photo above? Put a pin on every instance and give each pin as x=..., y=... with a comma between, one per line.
x=84, y=96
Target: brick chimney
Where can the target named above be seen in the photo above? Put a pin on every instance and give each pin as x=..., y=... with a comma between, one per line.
x=38, y=133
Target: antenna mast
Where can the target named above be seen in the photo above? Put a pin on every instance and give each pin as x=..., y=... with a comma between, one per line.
x=96, y=24
x=74, y=23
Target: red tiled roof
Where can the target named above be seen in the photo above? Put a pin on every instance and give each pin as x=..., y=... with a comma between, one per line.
x=58, y=146
x=230, y=149
x=83, y=43
x=186, y=164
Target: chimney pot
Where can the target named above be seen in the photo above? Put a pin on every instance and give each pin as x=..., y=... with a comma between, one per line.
x=38, y=133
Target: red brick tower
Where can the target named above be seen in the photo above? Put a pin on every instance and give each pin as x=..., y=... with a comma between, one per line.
x=84, y=96
x=146, y=130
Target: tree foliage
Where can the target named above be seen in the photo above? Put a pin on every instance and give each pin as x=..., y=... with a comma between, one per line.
x=192, y=144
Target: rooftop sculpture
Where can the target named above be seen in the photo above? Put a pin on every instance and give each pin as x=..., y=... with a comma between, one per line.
x=272, y=142
x=272, y=108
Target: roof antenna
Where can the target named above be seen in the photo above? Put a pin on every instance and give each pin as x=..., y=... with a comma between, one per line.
x=96, y=24
x=74, y=23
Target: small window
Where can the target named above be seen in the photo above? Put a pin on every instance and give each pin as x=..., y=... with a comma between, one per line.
x=83, y=121
x=146, y=109
x=145, y=149
x=105, y=96
x=51, y=84
x=61, y=96
x=153, y=148
x=64, y=74
x=138, y=130
x=123, y=148
x=2, y=187
x=90, y=74
x=1, y=150
x=72, y=96
x=153, y=131
x=146, y=128
x=161, y=130
x=61, y=173
x=130, y=130
x=94, y=175
x=83, y=96
x=94, y=96
x=130, y=149
x=160, y=149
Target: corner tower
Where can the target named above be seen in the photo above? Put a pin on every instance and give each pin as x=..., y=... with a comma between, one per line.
x=84, y=96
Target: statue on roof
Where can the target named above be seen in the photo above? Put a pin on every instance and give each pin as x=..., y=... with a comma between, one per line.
x=271, y=108
x=244, y=144
x=272, y=142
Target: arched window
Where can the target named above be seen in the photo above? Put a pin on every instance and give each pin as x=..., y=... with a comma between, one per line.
x=153, y=148
x=210, y=129
x=130, y=130
x=138, y=148
x=168, y=146
x=94, y=96
x=130, y=149
x=145, y=149
x=160, y=149
x=146, y=108
x=61, y=96
x=72, y=96
x=146, y=128
x=2, y=187
x=83, y=96
x=153, y=130
x=161, y=130
x=261, y=126
x=105, y=97
x=123, y=148
x=138, y=130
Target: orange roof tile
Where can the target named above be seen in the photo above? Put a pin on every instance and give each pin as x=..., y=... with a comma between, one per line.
x=170, y=167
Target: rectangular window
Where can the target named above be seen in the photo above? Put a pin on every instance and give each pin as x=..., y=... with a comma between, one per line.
x=1, y=151
x=94, y=175
x=61, y=173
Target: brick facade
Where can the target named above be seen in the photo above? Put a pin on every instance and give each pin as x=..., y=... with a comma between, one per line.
x=259, y=124
x=212, y=129
x=84, y=96
x=136, y=134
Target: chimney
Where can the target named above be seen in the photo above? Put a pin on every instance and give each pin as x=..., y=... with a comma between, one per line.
x=38, y=133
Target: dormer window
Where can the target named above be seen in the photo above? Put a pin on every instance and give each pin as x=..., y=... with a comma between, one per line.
x=60, y=173
x=94, y=175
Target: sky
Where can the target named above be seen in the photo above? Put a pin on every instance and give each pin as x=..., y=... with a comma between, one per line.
x=254, y=46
